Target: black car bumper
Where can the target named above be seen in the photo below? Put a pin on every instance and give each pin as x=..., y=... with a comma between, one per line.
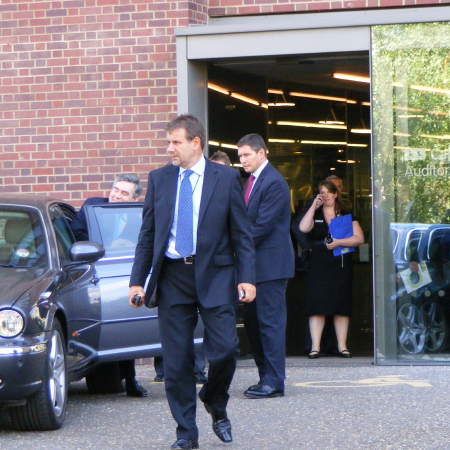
x=23, y=369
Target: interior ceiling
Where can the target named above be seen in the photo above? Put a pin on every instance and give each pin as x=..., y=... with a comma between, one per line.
x=231, y=118
x=313, y=70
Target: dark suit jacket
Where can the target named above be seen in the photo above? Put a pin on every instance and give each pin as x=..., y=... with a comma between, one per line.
x=270, y=216
x=224, y=244
x=79, y=224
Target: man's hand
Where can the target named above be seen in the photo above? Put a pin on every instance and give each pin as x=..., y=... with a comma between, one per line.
x=249, y=291
x=136, y=290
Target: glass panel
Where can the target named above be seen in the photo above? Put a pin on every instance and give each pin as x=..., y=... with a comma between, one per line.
x=411, y=137
x=119, y=229
x=22, y=241
x=64, y=237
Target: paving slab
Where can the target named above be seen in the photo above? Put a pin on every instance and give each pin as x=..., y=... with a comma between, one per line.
x=330, y=403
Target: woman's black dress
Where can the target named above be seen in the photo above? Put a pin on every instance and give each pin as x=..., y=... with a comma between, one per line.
x=329, y=278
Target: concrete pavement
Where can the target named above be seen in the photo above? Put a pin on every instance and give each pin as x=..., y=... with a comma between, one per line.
x=330, y=403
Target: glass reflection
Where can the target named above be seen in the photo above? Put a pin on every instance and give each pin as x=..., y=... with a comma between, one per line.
x=119, y=228
x=411, y=136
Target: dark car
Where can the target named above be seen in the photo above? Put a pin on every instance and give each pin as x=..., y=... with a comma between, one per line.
x=64, y=311
x=422, y=259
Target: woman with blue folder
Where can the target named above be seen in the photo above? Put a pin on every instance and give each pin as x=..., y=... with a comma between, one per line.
x=333, y=233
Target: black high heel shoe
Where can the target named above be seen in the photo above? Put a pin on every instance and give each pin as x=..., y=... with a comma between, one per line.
x=313, y=354
x=344, y=353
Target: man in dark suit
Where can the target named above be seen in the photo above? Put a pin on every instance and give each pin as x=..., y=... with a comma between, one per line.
x=219, y=158
x=195, y=241
x=268, y=206
x=126, y=188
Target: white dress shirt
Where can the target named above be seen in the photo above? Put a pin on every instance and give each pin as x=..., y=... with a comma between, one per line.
x=196, y=178
x=257, y=173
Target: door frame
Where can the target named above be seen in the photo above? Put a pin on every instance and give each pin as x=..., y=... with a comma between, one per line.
x=278, y=34
x=284, y=34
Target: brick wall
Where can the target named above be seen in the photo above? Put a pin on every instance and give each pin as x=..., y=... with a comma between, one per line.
x=249, y=7
x=86, y=88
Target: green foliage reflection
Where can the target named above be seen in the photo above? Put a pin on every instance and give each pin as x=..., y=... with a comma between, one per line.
x=411, y=121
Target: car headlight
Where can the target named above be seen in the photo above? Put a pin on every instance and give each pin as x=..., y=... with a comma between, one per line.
x=11, y=323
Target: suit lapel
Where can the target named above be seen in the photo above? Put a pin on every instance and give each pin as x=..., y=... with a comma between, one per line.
x=169, y=191
x=209, y=184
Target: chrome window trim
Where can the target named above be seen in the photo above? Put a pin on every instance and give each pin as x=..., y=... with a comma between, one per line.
x=116, y=258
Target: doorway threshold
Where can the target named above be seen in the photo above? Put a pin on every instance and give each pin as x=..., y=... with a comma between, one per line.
x=325, y=361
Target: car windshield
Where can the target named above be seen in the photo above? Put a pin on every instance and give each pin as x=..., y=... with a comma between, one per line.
x=22, y=240
x=119, y=229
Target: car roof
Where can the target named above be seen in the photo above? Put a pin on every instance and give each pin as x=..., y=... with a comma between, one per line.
x=36, y=200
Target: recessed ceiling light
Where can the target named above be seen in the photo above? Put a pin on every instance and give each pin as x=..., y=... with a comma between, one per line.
x=321, y=97
x=310, y=125
x=351, y=77
x=361, y=130
x=282, y=141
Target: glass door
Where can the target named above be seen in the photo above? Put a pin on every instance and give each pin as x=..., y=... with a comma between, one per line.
x=411, y=150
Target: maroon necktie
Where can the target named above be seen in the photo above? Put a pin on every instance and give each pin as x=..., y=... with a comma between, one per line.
x=248, y=189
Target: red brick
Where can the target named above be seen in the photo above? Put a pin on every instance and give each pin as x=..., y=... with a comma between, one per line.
x=87, y=86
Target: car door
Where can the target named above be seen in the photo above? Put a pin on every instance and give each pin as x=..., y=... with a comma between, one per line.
x=126, y=332
x=78, y=295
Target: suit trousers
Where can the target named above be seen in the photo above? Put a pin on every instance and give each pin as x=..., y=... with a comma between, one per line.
x=178, y=316
x=265, y=325
x=199, y=367
x=127, y=369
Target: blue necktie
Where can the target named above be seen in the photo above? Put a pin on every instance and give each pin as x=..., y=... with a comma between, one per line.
x=184, y=241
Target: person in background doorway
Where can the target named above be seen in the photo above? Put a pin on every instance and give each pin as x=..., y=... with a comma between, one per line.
x=329, y=278
x=329, y=340
x=268, y=208
x=220, y=158
x=126, y=188
x=337, y=182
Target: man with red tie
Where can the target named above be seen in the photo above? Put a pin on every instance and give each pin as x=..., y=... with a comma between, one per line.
x=267, y=198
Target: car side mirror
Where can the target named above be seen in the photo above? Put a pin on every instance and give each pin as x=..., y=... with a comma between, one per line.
x=86, y=252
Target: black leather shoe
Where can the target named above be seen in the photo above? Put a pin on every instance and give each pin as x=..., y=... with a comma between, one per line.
x=184, y=443
x=253, y=387
x=134, y=389
x=221, y=425
x=222, y=428
x=158, y=379
x=200, y=378
x=264, y=391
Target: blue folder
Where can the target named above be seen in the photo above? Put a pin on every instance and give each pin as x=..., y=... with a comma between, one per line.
x=341, y=227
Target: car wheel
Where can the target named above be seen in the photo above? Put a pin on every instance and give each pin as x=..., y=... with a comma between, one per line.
x=410, y=328
x=105, y=379
x=46, y=409
x=436, y=327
